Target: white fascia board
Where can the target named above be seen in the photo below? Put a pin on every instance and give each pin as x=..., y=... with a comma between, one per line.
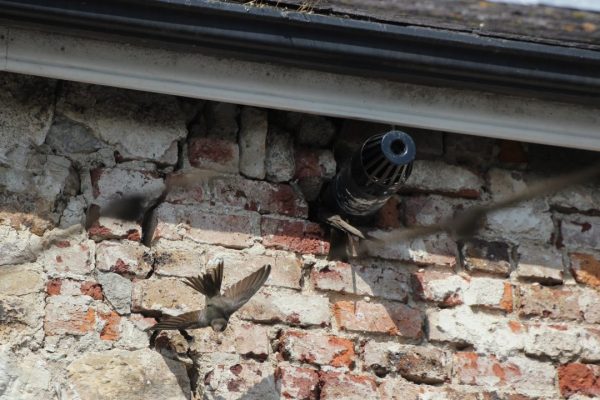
x=282, y=87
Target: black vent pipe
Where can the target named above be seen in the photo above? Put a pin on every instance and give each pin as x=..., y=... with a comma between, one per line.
x=372, y=176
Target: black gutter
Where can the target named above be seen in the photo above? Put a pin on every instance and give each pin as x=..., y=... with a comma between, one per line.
x=329, y=43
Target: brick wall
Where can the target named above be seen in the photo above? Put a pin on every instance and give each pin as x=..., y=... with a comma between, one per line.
x=510, y=314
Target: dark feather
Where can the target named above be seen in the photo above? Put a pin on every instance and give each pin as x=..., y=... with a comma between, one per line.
x=209, y=284
x=239, y=293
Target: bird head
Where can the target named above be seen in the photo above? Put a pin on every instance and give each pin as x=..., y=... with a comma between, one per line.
x=219, y=324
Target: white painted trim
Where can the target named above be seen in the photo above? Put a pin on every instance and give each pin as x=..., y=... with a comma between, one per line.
x=273, y=86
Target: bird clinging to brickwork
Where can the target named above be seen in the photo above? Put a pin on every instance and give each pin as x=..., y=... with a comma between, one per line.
x=219, y=307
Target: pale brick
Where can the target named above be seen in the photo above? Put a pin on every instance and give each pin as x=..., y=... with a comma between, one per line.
x=379, y=280
x=443, y=288
x=486, y=333
x=25, y=378
x=589, y=339
x=296, y=382
x=580, y=197
x=519, y=373
x=67, y=315
x=586, y=268
x=106, y=228
x=239, y=337
x=244, y=379
x=315, y=130
x=253, y=140
x=178, y=258
x=287, y=307
x=436, y=249
x=108, y=184
x=229, y=229
x=421, y=364
x=540, y=263
x=335, y=385
x=431, y=209
x=579, y=379
x=124, y=258
x=317, y=348
x=554, y=341
x=286, y=268
x=488, y=257
x=69, y=287
x=293, y=235
x=280, y=156
x=17, y=246
x=20, y=318
x=489, y=293
x=70, y=258
x=549, y=303
x=166, y=295
x=27, y=108
x=530, y=221
x=580, y=231
x=20, y=280
x=588, y=303
x=153, y=122
x=136, y=375
x=117, y=291
x=375, y=356
x=439, y=177
x=390, y=318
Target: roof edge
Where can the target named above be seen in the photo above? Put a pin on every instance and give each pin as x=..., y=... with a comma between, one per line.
x=344, y=46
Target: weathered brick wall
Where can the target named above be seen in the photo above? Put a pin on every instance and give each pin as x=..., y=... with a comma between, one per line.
x=511, y=314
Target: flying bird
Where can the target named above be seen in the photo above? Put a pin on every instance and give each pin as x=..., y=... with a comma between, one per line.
x=468, y=222
x=219, y=307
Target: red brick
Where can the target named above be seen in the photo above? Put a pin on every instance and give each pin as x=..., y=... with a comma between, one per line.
x=53, y=287
x=220, y=227
x=389, y=216
x=443, y=288
x=586, y=268
x=379, y=280
x=512, y=152
x=213, y=153
x=390, y=318
x=336, y=385
x=92, y=289
x=316, y=348
x=235, y=191
x=578, y=378
x=294, y=235
x=297, y=382
x=551, y=303
x=436, y=249
x=111, y=330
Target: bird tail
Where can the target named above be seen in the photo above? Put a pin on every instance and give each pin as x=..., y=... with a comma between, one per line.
x=208, y=284
x=169, y=322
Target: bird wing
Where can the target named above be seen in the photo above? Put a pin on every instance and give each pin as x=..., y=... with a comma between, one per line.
x=209, y=284
x=239, y=293
x=192, y=319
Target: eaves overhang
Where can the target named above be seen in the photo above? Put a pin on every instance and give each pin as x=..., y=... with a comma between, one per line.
x=402, y=75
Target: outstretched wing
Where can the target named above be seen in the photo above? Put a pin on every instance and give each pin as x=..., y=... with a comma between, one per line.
x=208, y=284
x=192, y=319
x=239, y=294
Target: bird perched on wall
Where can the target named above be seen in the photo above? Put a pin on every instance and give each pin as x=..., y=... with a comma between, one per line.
x=219, y=307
